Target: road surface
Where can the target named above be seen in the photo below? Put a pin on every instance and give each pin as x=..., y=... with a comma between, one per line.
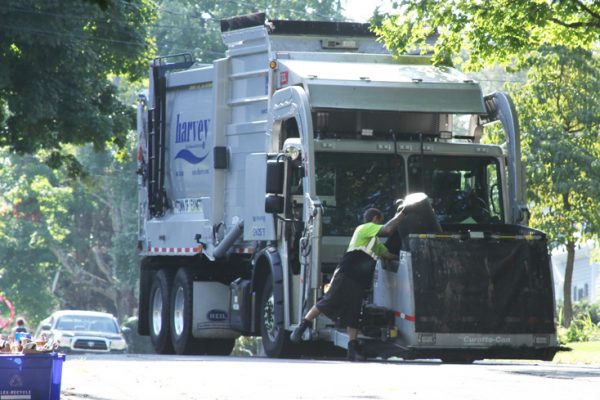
x=104, y=377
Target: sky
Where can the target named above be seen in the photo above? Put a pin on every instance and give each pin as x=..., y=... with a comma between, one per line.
x=362, y=10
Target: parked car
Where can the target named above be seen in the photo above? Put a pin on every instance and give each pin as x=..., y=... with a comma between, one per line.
x=83, y=331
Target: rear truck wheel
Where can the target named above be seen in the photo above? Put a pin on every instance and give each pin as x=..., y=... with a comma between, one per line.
x=159, y=312
x=219, y=347
x=275, y=338
x=182, y=315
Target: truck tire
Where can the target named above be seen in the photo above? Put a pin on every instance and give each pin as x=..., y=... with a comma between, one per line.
x=159, y=312
x=181, y=320
x=275, y=338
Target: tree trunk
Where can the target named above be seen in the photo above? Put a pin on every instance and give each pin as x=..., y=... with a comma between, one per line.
x=567, y=305
x=102, y=285
x=126, y=303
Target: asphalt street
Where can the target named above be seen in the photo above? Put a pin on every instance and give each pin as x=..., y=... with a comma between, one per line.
x=103, y=377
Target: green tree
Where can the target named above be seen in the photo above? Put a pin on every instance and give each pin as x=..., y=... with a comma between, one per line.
x=26, y=266
x=69, y=242
x=560, y=121
x=110, y=189
x=194, y=26
x=489, y=32
x=56, y=59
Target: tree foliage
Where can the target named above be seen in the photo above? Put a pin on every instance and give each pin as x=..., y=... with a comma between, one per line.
x=194, y=26
x=560, y=118
x=26, y=267
x=68, y=242
x=558, y=106
x=57, y=56
x=488, y=32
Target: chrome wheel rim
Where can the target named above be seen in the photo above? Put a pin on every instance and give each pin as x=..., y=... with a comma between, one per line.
x=178, y=311
x=157, y=305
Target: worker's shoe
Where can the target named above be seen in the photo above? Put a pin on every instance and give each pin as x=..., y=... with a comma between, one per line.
x=297, y=333
x=354, y=351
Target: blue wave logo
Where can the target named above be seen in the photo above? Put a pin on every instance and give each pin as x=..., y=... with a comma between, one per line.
x=190, y=157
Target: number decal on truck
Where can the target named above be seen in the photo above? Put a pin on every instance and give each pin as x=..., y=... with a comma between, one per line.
x=187, y=206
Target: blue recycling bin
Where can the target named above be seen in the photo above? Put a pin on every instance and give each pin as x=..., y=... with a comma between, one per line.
x=31, y=376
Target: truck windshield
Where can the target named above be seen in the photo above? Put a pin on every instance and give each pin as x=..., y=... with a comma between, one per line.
x=349, y=184
x=462, y=189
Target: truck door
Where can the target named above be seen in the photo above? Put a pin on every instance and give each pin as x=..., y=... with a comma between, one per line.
x=291, y=114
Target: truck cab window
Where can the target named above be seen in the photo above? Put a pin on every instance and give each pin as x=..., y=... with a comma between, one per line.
x=462, y=189
x=350, y=184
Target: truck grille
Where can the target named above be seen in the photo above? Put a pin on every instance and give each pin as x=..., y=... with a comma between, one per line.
x=90, y=344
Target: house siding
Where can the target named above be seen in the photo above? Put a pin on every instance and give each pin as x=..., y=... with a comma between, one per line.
x=585, y=285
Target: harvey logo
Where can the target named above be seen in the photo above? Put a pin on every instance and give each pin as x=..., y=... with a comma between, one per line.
x=194, y=135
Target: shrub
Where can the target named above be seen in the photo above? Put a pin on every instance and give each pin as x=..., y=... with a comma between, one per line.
x=582, y=308
x=582, y=329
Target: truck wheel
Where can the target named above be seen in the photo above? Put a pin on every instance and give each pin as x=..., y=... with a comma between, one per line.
x=219, y=347
x=275, y=338
x=182, y=315
x=160, y=293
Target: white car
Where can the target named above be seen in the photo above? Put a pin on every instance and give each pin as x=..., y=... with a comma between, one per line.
x=83, y=331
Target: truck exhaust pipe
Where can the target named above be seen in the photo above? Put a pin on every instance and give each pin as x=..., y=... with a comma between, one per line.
x=229, y=240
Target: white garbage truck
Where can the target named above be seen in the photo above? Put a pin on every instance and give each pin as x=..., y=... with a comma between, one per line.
x=254, y=171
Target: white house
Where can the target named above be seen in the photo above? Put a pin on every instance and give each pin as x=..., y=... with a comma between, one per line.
x=586, y=273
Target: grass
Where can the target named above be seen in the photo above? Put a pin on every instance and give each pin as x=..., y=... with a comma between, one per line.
x=581, y=353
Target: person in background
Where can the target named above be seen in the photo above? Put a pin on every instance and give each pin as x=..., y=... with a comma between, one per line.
x=20, y=328
x=354, y=274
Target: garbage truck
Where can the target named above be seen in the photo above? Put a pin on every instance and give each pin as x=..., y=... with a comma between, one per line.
x=254, y=170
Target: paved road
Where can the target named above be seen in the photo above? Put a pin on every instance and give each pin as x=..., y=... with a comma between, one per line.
x=176, y=377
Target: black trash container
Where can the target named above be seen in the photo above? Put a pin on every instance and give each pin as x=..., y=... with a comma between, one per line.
x=420, y=217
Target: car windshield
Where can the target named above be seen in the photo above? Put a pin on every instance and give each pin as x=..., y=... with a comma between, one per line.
x=86, y=324
x=348, y=185
x=461, y=189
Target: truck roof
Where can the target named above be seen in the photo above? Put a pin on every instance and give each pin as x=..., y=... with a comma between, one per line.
x=384, y=86
x=290, y=27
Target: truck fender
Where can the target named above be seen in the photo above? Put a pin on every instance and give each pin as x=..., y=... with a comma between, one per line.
x=268, y=262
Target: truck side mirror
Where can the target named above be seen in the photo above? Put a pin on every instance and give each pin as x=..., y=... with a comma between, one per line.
x=275, y=174
x=273, y=204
